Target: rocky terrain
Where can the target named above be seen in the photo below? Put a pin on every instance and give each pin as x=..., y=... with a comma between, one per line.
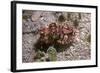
x=33, y=21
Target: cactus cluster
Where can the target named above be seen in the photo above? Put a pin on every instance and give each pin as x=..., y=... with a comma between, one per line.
x=55, y=35
x=39, y=55
x=51, y=55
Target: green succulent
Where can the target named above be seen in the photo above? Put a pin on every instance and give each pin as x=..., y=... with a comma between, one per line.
x=61, y=18
x=39, y=54
x=52, y=53
x=89, y=38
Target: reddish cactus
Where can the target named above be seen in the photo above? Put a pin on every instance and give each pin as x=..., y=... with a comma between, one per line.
x=56, y=35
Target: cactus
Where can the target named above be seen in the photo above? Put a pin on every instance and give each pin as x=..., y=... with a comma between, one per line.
x=68, y=16
x=52, y=53
x=61, y=18
x=79, y=14
x=89, y=38
x=39, y=55
x=76, y=23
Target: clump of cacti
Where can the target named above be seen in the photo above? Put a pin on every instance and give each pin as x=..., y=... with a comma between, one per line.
x=52, y=53
x=39, y=55
x=56, y=35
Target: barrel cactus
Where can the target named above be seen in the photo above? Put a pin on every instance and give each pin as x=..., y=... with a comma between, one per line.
x=52, y=53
